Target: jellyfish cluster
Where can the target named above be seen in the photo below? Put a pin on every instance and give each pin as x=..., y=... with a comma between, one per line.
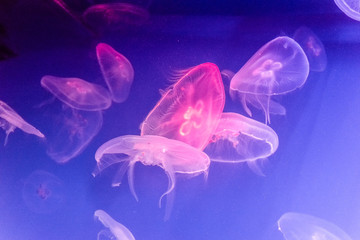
x=187, y=129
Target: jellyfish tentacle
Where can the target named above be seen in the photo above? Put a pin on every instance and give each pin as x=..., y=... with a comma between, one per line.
x=255, y=167
x=243, y=102
x=169, y=192
x=131, y=179
x=120, y=173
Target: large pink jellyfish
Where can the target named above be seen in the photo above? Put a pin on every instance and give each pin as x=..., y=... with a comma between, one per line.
x=190, y=109
x=10, y=120
x=117, y=71
x=241, y=139
x=78, y=93
x=171, y=155
x=278, y=67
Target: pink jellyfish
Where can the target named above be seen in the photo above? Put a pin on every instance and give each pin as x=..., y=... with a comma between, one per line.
x=190, y=109
x=117, y=71
x=171, y=155
x=278, y=67
x=10, y=120
x=241, y=139
x=78, y=93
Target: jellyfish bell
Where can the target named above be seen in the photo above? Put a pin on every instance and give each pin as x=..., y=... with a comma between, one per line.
x=350, y=7
x=278, y=67
x=117, y=71
x=313, y=48
x=10, y=120
x=77, y=93
x=240, y=139
x=117, y=230
x=115, y=16
x=190, y=109
x=171, y=155
x=296, y=226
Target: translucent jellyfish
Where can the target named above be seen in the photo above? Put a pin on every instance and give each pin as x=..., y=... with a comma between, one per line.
x=78, y=93
x=71, y=131
x=115, y=16
x=296, y=226
x=10, y=120
x=190, y=109
x=117, y=230
x=117, y=71
x=278, y=67
x=43, y=192
x=313, y=48
x=350, y=7
x=241, y=139
x=171, y=155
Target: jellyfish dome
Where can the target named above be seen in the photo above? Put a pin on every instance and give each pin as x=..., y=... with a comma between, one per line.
x=350, y=7
x=78, y=93
x=171, y=155
x=189, y=110
x=296, y=226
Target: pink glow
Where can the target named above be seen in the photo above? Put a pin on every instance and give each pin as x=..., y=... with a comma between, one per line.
x=117, y=71
x=189, y=110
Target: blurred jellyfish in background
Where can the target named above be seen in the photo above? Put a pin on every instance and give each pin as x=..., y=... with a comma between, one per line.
x=115, y=230
x=313, y=48
x=241, y=139
x=10, y=120
x=298, y=226
x=350, y=7
x=278, y=67
x=115, y=16
x=171, y=155
x=77, y=93
x=189, y=110
x=43, y=192
x=116, y=70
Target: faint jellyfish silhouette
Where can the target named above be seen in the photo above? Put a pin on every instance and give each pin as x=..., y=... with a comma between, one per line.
x=278, y=67
x=350, y=7
x=117, y=71
x=10, y=120
x=71, y=132
x=295, y=226
x=117, y=230
x=171, y=155
x=189, y=110
x=241, y=139
x=313, y=48
x=78, y=93
x=43, y=192
x=115, y=16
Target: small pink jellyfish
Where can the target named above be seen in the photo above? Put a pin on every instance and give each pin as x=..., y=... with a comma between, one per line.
x=10, y=120
x=241, y=139
x=190, y=109
x=115, y=230
x=278, y=67
x=171, y=155
x=313, y=48
x=78, y=93
x=115, y=16
x=295, y=226
x=43, y=192
x=117, y=71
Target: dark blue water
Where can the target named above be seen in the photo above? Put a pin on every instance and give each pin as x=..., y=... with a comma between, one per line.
x=314, y=171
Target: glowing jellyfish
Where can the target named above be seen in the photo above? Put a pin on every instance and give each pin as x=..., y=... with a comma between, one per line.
x=278, y=67
x=190, y=109
x=115, y=16
x=10, y=120
x=313, y=48
x=71, y=131
x=296, y=226
x=350, y=7
x=117, y=71
x=43, y=192
x=78, y=93
x=241, y=139
x=117, y=230
x=171, y=155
